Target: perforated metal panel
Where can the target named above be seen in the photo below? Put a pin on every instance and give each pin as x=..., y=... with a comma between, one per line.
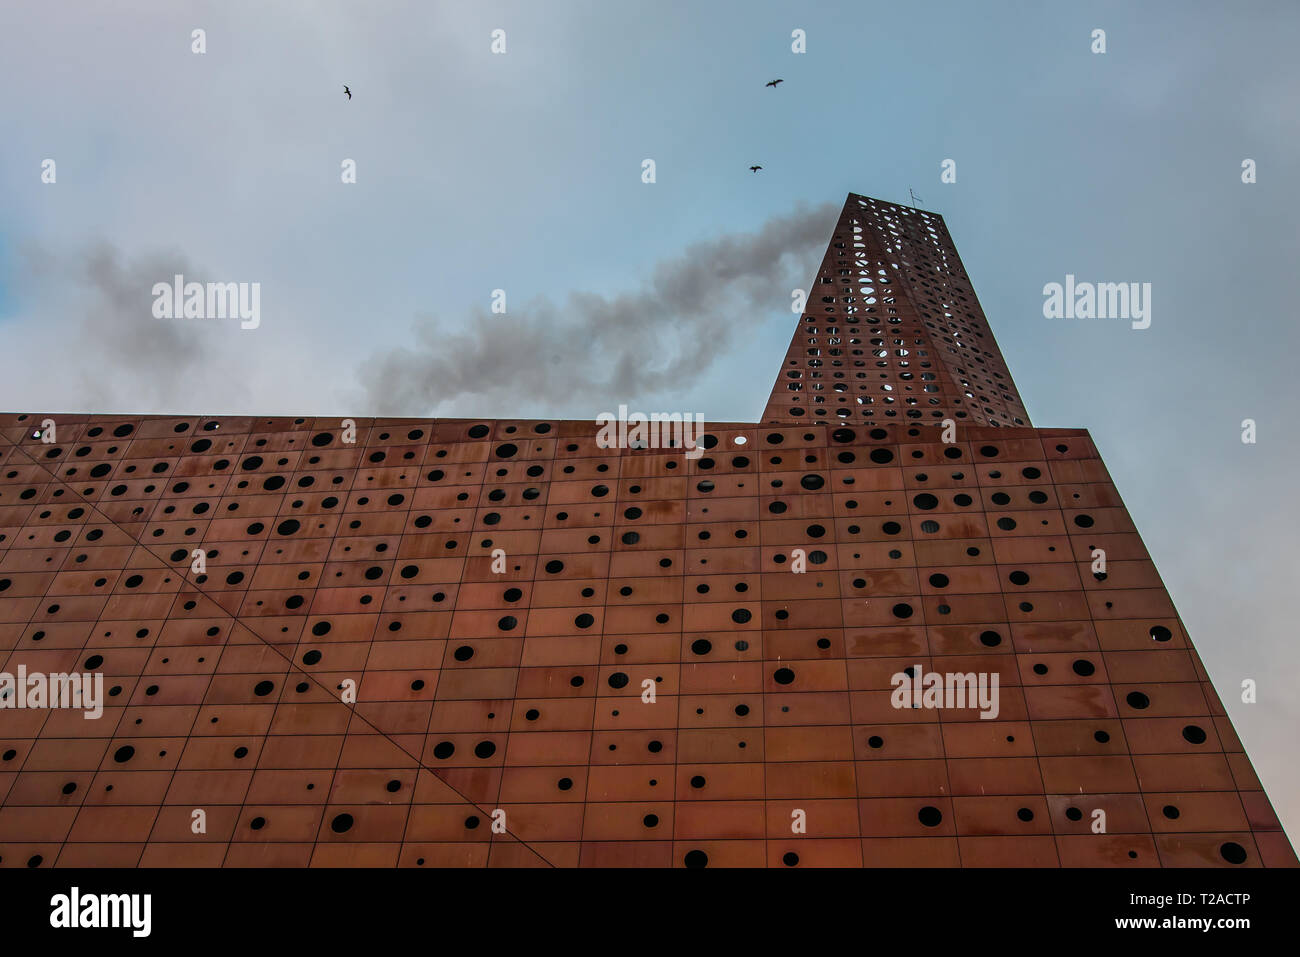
x=892, y=332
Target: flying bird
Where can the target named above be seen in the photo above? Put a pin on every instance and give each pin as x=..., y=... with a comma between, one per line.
x=755, y=169
x=774, y=82
x=348, y=92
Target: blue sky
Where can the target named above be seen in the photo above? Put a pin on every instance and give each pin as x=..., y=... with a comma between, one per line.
x=522, y=172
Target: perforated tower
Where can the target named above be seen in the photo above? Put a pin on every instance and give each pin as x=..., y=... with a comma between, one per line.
x=893, y=333
x=397, y=639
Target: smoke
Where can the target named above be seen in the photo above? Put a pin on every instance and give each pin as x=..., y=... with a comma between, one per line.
x=158, y=355
x=111, y=354
x=691, y=309
x=91, y=308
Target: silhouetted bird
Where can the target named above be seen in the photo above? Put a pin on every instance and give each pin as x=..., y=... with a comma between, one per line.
x=348, y=92
x=774, y=82
x=755, y=169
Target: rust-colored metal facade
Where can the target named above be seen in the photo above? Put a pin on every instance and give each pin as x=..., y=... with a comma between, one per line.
x=505, y=596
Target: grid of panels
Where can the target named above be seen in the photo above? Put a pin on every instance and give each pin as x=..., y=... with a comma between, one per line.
x=506, y=596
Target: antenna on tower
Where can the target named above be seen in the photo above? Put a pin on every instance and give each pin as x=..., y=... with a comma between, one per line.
x=915, y=199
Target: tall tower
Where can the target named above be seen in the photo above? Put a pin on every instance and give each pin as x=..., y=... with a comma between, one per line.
x=893, y=332
x=436, y=643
